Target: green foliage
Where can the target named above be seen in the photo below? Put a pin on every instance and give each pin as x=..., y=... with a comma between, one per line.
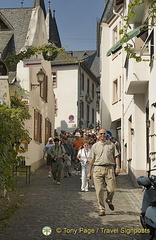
x=131, y=14
x=48, y=50
x=12, y=132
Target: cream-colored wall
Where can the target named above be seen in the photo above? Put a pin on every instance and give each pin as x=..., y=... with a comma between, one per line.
x=140, y=132
x=66, y=94
x=111, y=70
x=25, y=76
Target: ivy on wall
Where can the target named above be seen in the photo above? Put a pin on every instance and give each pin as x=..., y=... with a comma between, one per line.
x=49, y=52
x=12, y=132
x=131, y=15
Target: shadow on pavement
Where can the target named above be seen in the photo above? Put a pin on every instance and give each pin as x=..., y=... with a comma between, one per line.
x=70, y=214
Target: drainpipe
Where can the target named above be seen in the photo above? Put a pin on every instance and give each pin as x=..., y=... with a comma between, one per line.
x=115, y=13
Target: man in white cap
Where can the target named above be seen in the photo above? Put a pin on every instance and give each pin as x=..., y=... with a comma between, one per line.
x=48, y=157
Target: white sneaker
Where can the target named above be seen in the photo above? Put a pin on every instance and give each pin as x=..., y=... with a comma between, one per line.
x=58, y=183
x=50, y=175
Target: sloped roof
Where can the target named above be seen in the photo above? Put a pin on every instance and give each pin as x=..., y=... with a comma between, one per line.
x=90, y=60
x=108, y=10
x=53, y=34
x=5, y=38
x=19, y=18
x=15, y=23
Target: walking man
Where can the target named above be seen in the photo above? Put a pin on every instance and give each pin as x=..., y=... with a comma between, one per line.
x=67, y=157
x=103, y=157
x=57, y=152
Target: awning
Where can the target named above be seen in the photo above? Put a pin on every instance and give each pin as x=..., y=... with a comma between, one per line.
x=137, y=32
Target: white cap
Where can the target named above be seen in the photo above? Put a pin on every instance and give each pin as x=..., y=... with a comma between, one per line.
x=77, y=134
x=50, y=139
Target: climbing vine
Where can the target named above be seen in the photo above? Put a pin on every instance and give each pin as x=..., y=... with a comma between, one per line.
x=127, y=19
x=49, y=52
x=12, y=132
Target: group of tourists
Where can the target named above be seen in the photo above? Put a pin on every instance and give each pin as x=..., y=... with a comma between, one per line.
x=92, y=154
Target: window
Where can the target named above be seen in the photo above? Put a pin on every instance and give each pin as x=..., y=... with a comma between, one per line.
x=115, y=35
x=87, y=115
x=81, y=109
x=152, y=50
x=44, y=89
x=82, y=82
x=37, y=126
x=3, y=26
x=130, y=138
x=152, y=135
x=93, y=90
x=56, y=107
x=54, y=79
x=88, y=86
x=119, y=96
x=93, y=116
x=115, y=90
x=47, y=129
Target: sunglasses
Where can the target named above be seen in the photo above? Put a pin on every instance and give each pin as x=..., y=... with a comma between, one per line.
x=102, y=133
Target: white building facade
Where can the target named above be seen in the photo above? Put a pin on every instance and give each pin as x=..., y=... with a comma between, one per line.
x=75, y=95
x=127, y=87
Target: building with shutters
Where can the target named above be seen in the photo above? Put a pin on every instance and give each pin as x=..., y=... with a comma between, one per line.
x=21, y=28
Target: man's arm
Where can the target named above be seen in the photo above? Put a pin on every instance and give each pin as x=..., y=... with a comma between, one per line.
x=90, y=167
x=50, y=152
x=63, y=152
x=117, y=161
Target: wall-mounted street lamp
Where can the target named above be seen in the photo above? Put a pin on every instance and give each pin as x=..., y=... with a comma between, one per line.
x=40, y=78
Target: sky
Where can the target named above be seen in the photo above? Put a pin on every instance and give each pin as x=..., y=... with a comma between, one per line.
x=76, y=20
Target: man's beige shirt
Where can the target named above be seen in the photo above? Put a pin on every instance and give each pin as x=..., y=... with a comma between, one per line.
x=104, y=153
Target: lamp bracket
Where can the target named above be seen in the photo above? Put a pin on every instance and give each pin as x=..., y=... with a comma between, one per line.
x=34, y=85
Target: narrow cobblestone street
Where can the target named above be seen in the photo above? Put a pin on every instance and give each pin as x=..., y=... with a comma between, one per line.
x=72, y=214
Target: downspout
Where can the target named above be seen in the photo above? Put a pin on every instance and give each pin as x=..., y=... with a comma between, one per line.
x=115, y=13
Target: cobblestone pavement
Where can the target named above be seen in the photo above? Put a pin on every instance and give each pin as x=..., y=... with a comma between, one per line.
x=72, y=214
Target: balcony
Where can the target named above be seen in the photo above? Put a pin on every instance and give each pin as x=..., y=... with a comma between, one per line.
x=137, y=75
x=140, y=12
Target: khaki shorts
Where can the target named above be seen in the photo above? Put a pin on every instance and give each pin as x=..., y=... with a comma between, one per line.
x=49, y=160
